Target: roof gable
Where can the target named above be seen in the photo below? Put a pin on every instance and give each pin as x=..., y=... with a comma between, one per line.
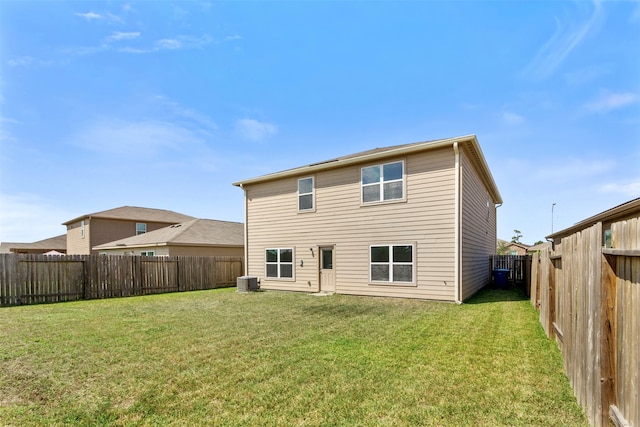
x=469, y=141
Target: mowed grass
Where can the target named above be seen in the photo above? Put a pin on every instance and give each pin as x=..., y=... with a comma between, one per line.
x=222, y=358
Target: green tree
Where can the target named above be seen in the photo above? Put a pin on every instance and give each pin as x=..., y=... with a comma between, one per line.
x=516, y=238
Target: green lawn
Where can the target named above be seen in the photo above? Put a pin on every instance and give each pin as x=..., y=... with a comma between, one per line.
x=223, y=358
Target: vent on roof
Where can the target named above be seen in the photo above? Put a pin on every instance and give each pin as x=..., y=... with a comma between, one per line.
x=322, y=163
x=175, y=225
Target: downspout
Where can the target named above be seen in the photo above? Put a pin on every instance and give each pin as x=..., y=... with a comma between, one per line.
x=456, y=262
x=246, y=236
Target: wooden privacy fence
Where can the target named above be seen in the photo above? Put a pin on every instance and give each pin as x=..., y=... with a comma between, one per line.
x=589, y=300
x=33, y=279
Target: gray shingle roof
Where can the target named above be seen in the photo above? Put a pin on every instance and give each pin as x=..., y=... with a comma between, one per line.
x=58, y=243
x=135, y=213
x=197, y=232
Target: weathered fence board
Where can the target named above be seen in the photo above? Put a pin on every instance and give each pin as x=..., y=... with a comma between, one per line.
x=33, y=279
x=589, y=299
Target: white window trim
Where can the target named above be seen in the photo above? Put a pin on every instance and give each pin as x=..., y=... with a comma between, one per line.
x=293, y=264
x=413, y=282
x=382, y=182
x=147, y=253
x=145, y=228
x=313, y=194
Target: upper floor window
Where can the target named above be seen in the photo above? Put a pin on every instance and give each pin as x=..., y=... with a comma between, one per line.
x=305, y=194
x=82, y=229
x=141, y=228
x=383, y=182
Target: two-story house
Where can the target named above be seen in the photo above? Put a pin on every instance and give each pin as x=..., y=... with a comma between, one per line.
x=198, y=237
x=415, y=220
x=87, y=231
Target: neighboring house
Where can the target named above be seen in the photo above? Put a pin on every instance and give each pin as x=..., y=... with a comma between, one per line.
x=630, y=209
x=57, y=244
x=198, y=237
x=512, y=248
x=538, y=248
x=87, y=231
x=415, y=220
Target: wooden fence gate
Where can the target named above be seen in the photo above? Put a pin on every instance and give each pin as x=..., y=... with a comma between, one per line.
x=519, y=267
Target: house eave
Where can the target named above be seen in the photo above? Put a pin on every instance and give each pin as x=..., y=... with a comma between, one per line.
x=154, y=245
x=404, y=150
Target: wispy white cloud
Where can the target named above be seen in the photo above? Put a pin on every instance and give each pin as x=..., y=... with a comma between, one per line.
x=115, y=41
x=22, y=219
x=127, y=137
x=5, y=134
x=587, y=74
x=629, y=188
x=255, y=130
x=608, y=101
x=635, y=16
x=567, y=37
x=574, y=169
x=119, y=35
x=188, y=116
x=512, y=118
x=169, y=44
x=89, y=15
x=93, y=16
x=28, y=61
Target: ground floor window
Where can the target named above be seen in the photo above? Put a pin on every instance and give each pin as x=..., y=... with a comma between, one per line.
x=147, y=253
x=279, y=263
x=392, y=263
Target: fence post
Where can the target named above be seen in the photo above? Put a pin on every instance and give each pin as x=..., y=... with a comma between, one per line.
x=552, y=296
x=608, y=340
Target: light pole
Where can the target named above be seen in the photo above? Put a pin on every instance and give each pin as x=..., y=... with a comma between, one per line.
x=552, y=206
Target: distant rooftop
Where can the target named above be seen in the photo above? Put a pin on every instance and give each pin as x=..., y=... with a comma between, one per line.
x=197, y=232
x=135, y=213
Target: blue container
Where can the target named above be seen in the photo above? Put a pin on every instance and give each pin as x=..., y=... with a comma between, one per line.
x=500, y=277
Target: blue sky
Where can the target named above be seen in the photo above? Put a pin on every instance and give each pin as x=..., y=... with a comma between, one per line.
x=165, y=104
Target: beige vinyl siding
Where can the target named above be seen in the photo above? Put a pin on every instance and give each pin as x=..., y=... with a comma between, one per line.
x=478, y=235
x=76, y=244
x=425, y=219
x=108, y=230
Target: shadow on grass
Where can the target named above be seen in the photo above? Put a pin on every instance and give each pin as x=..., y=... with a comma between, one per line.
x=490, y=294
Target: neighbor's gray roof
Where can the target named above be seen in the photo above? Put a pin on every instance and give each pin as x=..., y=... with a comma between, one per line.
x=469, y=141
x=539, y=247
x=508, y=243
x=617, y=213
x=57, y=242
x=135, y=213
x=197, y=232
